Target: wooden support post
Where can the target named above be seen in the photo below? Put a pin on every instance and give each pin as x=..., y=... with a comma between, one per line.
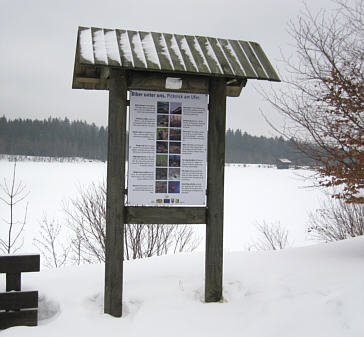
x=115, y=210
x=215, y=191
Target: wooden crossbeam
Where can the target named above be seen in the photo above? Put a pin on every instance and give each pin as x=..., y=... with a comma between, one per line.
x=166, y=215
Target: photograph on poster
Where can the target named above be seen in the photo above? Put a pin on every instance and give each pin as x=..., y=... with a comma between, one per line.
x=173, y=187
x=161, y=173
x=162, y=120
x=162, y=134
x=175, y=121
x=162, y=107
x=176, y=108
x=174, y=173
x=175, y=147
x=161, y=160
x=174, y=160
x=162, y=147
x=160, y=187
x=174, y=134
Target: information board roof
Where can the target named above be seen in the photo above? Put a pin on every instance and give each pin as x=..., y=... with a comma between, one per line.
x=168, y=53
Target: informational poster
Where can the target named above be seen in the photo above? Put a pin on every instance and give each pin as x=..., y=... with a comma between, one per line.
x=167, y=149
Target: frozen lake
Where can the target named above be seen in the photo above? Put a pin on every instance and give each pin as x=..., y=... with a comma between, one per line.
x=252, y=194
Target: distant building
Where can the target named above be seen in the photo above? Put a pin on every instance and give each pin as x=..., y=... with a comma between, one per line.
x=282, y=163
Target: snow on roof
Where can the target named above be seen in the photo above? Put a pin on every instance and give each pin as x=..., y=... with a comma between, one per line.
x=87, y=53
x=171, y=52
x=150, y=50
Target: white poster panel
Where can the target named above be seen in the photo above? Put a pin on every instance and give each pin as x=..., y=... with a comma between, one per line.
x=167, y=149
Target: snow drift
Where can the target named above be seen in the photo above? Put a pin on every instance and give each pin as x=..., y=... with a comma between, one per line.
x=309, y=291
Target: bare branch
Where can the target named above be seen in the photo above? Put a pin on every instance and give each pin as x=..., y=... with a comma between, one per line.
x=86, y=217
x=272, y=237
x=13, y=195
x=336, y=221
x=54, y=252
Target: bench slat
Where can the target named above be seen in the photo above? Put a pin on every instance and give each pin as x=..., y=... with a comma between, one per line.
x=14, y=264
x=16, y=318
x=19, y=300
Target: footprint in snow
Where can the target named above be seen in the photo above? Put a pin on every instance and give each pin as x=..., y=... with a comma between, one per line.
x=48, y=309
x=131, y=307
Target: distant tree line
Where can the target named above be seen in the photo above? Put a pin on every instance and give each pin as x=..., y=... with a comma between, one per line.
x=54, y=137
x=244, y=148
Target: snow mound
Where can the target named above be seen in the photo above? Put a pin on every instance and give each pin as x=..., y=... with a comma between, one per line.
x=299, y=292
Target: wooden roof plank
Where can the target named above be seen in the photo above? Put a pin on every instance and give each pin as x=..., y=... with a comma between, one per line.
x=85, y=46
x=162, y=50
x=137, y=50
x=253, y=60
x=224, y=63
x=188, y=59
x=249, y=71
x=112, y=49
x=273, y=76
x=98, y=42
x=124, y=48
x=171, y=44
x=197, y=54
x=150, y=51
x=231, y=56
x=209, y=55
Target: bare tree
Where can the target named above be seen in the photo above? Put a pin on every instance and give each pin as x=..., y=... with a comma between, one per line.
x=51, y=244
x=184, y=239
x=146, y=240
x=271, y=237
x=14, y=193
x=323, y=95
x=336, y=221
x=86, y=217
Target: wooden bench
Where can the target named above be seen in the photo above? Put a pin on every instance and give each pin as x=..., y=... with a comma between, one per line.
x=18, y=307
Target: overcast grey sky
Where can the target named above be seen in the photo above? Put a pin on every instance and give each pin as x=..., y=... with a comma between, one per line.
x=38, y=42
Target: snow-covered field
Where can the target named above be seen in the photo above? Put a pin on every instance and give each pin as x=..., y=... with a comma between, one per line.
x=313, y=291
x=50, y=186
x=252, y=194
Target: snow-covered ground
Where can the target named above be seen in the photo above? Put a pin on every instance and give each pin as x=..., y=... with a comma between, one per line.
x=252, y=194
x=314, y=291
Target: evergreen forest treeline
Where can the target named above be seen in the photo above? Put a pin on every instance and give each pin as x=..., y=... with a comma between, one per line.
x=244, y=148
x=52, y=137
x=55, y=137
